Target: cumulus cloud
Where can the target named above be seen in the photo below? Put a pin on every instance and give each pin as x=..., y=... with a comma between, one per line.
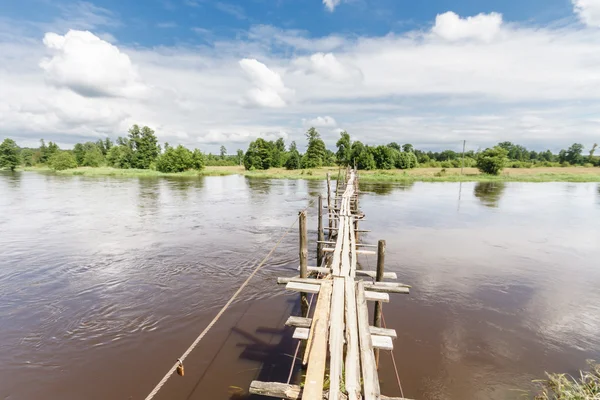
x=269, y=90
x=239, y=135
x=452, y=27
x=320, y=122
x=329, y=67
x=588, y=11
x=89, y=66
x=331, y=4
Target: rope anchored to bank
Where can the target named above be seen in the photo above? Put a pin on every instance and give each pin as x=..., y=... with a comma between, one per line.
x=178, y=365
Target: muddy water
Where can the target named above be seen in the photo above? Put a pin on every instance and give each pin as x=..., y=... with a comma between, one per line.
x=104, y=282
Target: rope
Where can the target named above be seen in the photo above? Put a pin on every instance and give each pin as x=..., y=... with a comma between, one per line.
x=216, y=318
x=393, y=360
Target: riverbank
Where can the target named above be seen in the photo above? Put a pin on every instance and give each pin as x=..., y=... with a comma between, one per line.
x=554, y=174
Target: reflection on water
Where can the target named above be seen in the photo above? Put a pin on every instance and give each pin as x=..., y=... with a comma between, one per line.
x=489, y=192
x=109, y=279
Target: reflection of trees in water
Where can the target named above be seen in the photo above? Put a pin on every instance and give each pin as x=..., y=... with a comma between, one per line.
x=12, y=178
x=489, y=193
x=148, y=195
x=598, y=190
x=259, y=185
x=385, y=188
x=316, y=187
x=181, y=186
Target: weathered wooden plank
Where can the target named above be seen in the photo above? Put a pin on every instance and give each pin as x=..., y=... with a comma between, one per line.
x=377, y=296
x=321, y=270
x=299, y=322
x=381, y=342
x=369, y=369
x=301, y=333
x=336, y=337
x=383, y=332
x=303, y=287
x=310, y=281
x=315, y=374
x=374, y=287
x=352, y=370
x=275, y=389
x=362, y=252
x=373, y=274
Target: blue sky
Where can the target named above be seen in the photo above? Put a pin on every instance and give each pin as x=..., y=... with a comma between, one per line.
x=202, y=72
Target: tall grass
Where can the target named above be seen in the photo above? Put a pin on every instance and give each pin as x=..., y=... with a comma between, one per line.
x=566, y=387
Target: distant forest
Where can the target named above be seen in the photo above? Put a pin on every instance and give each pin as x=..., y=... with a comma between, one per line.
x=140, y=149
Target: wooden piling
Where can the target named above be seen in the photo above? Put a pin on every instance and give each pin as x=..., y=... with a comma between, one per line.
x=303, y=259
x=321, y=234
x=379, y=278
x=329, y=204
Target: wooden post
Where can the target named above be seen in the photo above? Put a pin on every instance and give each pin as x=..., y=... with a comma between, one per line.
x=329, y=210
x=303, y=259
x=379, y=278
x=321, y=235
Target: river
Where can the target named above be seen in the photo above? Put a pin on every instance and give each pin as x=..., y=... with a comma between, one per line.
x=104, y=282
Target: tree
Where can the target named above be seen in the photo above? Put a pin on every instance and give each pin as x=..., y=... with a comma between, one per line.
x=258, y=155
x=592, y=151
x=573, y=155
x=79, y=153
x=120, y=157
x=344, y=151
x=27, y=157
x=408, y=148
x=406, y=160
x=62, y=160
x=240, y=156
x=222, y=152
x=144, y=145
x=9, y=154
x=198, y=161
x=293, y=158
x=395, y=146
x=492, y=161
x=315, y=152
x=176, y=159
x=384, y=157
x=43, y=152
x=278, y=153
x=93, y=157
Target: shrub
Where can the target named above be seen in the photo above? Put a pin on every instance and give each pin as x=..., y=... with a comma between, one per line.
x=492, y=161
x=62, y=160
x=406, y=160
x=176, y=159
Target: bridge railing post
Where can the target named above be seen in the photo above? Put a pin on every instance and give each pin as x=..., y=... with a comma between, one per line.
x=379, y=278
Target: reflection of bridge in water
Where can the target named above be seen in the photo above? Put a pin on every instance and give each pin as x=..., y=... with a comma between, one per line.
x=341, y=347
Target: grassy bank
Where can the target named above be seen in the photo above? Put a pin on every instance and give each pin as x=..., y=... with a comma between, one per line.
x=564, y=387
x=569, y=174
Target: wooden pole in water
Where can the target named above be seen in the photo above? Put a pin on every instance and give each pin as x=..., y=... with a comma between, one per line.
x=321, y=235
x=303, y=259
x=329, y=204
x=379, y=278
x=337, y=197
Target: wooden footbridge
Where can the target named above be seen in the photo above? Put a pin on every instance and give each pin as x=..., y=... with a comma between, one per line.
x=341, y=345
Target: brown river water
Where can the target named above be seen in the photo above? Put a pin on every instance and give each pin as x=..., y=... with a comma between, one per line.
x=104, y=282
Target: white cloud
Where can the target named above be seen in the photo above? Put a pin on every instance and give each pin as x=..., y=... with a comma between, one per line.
x=239, y=135
x=450, y=26
x=269, y=90
x=329, y=67
x=320, y=122
x=331, y=4
x=89, y=66
x=588, y=11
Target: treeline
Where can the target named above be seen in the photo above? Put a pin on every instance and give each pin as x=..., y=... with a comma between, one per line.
x=140, y=149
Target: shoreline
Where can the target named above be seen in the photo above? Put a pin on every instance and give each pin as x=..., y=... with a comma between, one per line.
x=547, y=174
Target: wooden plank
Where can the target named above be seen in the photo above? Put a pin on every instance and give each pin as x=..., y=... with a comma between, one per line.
x=310, y=281
x=377, y=296
x=321, y=270
x=353, y=255
x=299, y=322
x=303, y=287
x=373, y=274
x=301, y=333
x=369, y=368
x=336, y=338
x=352, y=370
x=387, y=289
x=315, y=374
x=274, y=389
x=381, y=342
x=363, y=252
x=382, y=332
x=345, y=256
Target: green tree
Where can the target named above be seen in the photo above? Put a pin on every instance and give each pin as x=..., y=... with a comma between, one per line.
x=315, y=152
x=43, y=152
x=120, y=157
x=278, y=153
x=573, y=155
x=395, y=146
x=408, y=148
x=240, y=156
x=406, y=160
x=592, y=151
x=385, y=157
x=62, y=160
x=259, y=155
x=492, y=161
x=176, y=159
x=52, y=149
x=9, y=154
x=198, y=161
x=79, y=153
x=93, y=157
x=344, y=152
x=144, y=145
x=27, y=157
x=222, y=152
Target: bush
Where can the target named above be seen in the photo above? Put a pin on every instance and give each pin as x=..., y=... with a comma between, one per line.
x=176, y=159
x=492, y=161
x=61, y=161
x=406, y=160
x=519, y=164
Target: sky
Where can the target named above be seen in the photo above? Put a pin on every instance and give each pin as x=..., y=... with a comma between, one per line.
x=205, y=73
